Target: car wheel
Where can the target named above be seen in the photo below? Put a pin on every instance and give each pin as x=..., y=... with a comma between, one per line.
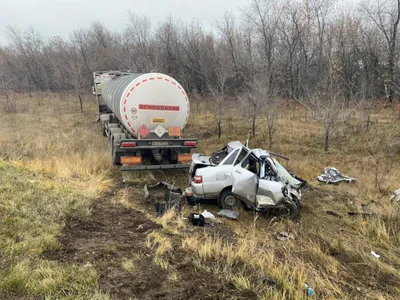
x=228, y=201
x=293, y=208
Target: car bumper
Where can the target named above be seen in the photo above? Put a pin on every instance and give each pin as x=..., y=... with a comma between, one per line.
x=197, y=190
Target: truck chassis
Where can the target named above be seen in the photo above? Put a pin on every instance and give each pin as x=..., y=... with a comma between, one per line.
x=144, y=154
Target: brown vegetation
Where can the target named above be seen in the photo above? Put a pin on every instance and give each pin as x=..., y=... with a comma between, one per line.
x=61, y=200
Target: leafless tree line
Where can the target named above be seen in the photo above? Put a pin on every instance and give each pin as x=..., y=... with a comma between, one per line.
x=294, y=46
x=312, y=51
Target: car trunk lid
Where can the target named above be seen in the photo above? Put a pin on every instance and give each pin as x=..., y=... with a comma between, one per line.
x=198, y=161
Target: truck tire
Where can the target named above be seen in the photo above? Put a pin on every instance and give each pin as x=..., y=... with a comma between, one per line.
x=116, y=160
x=228, y=201
x=113, y=131
x=115, y=139
x=103, y=129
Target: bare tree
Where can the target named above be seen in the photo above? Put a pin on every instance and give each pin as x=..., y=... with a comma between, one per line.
x=137, y=54
x=226, y=29
x=386, y=16
x=329, y=109
x=6, y=83
x=69, y=68
x=262, y=100
x=384, y=149
x=292, y=47
x=253, y=100
x=265, y=16
x=217, y=86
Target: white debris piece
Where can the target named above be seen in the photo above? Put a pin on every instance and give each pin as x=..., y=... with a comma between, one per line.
x=284, y=236
x=333, y=175
x=396, y=196
x=230, y=214
x=207, y=215
x=374, y=254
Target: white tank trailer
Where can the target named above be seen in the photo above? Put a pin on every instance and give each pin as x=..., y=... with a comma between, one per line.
x=143, y=116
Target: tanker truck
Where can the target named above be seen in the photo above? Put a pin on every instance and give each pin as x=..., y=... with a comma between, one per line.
x=143, y=116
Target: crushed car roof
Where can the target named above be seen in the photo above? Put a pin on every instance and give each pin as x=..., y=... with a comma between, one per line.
x=235, y=144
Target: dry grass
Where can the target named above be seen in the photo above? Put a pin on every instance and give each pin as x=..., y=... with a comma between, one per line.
x=50, y=169
x=33, y=212
x=59, y=144
x=332, y=255
x=55, y=163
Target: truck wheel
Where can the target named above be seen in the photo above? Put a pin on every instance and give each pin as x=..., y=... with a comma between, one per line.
x=114, y=158
x=228, y=201
x=112, y=131
x=103, y=129
x=116, y=139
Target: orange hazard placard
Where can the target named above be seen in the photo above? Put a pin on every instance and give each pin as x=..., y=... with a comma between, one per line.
x=174, y=131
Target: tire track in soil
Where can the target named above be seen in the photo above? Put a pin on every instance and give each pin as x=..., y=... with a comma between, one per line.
x=113, y=234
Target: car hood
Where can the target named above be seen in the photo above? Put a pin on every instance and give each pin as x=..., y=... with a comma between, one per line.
x=285, y=175
x=200, y=159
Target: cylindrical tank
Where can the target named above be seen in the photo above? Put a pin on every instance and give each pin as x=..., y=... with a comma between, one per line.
x=151, y=99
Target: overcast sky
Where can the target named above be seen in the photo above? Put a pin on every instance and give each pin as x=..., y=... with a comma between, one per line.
x=60, y=17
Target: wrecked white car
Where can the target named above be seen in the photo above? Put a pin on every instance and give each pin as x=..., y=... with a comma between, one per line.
x=238, y=175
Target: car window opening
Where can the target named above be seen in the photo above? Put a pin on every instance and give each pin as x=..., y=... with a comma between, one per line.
x=269, y=172
x=241, y=156
x=252, y=164
x=231, y=157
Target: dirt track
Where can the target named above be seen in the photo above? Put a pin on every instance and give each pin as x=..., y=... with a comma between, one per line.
x=116, y=233
x=113, y=234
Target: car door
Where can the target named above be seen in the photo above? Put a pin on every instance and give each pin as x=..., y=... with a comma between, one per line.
x=245, y=182
x=219, y=176
x=269, y=192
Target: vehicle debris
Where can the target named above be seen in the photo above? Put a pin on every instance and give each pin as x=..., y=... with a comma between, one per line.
x=284, y=236
x=368, y=204
x=268, y=281
x=303, y=182
x=332, y=213
x=396, y=196
x=159, y=189
x=362, y=214
x=333, y=175
x=237, y=175
x=190, y=198
x=165, y=196
x=230, y=214
x=351, y=214
x=309, y=290
x=197, y=219
x=375, y=254
x=207, y=215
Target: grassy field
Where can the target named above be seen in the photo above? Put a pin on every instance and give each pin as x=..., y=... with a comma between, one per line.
x=57, y=183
